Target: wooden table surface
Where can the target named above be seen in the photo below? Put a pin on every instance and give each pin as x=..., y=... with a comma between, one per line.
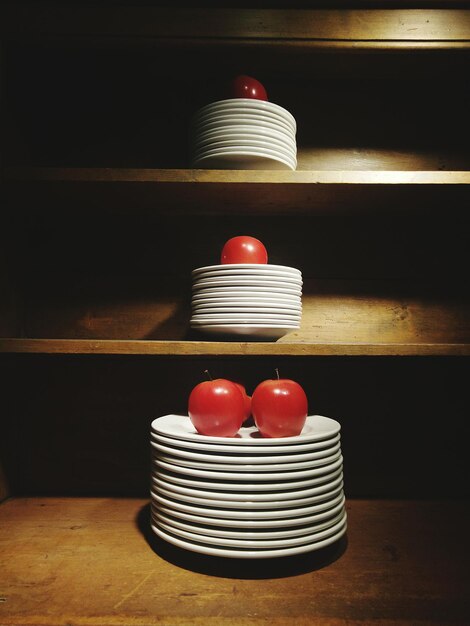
x=94, y=561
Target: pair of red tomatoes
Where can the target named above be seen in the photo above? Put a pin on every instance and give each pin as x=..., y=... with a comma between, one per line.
x=220, y=407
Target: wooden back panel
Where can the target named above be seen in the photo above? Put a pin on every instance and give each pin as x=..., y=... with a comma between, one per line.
x=80, y=424
x=113, y=105
x=128, y=275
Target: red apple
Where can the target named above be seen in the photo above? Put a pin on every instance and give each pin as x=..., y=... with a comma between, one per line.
x=279, y=407
x=243, y=249
x=217, y=408
x=247, y=87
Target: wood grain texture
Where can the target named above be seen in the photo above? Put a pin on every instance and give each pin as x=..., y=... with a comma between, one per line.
x=286, y=347
x=151, y=22
x=310, y=190
x=96, y=563
x=333, y=312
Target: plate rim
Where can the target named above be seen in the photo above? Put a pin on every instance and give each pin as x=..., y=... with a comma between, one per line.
x=252, y=554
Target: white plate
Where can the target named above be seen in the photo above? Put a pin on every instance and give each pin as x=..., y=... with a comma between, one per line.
x=248, y=505
x=245, y=318
x=228, y=310
x=216, y=126
x=253, y=524
x=267, y=267
x=289, y=151
x=251, y=487
x=282, y=477
x=290, y=158
x=220, y=531
x=252, y=314
x=249, y=279
x=279, y=309
x=245, y=496
x=228, y=300
x=252, y=104
x=259, y=331
x=249, y=467
x=283, y=305
x=290, y=314
x=260, y=273
x=220, y=122
x=254, y=544
x=248, y=292
x=248, y=295
x=247, y=554
x=271, y=329
x=237, y=456
x=245, y=514
x=242, y=124
x=240, y=114
x=278, y=141
x=210, y=446
x=291, y=302
x=316, y=428
x=247, y=132
x=242, y=160
x=256, y=131
x=209, y=285
x=209, y=313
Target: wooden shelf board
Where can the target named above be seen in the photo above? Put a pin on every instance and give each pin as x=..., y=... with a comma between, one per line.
x=226, y=348
x=232, y=177
x=240, y=191
x=95, y=561
x=376, y=27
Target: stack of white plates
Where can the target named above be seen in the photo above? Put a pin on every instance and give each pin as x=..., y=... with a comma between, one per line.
x=243, y=133
x=247, y=299
x=247, y=497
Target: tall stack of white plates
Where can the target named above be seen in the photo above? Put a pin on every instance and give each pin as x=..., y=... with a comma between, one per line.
x=247, y=299
x=247, y=496
x=243, y=133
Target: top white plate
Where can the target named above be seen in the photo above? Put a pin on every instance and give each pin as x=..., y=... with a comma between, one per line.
x=267, y=267
x=210, y=446
x=317, y=427
x=247, y=268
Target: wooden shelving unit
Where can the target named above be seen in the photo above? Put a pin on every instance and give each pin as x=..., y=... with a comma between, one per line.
x=102, y=223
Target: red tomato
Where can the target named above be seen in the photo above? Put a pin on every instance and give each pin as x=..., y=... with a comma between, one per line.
x=216, y=408
x=279, y=408
x=243, y=249
x=247, y=87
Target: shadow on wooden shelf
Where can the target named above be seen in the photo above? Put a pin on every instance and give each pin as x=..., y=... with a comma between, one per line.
x=239, y=568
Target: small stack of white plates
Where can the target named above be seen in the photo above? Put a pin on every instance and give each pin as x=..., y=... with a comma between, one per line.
x=247, y=299
x=243, y=133
x=247, y=496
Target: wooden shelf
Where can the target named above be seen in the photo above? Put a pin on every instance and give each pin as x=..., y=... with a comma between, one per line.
x=321, y=28
x=225, y=348
x=95, y=561
x=218, y=192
